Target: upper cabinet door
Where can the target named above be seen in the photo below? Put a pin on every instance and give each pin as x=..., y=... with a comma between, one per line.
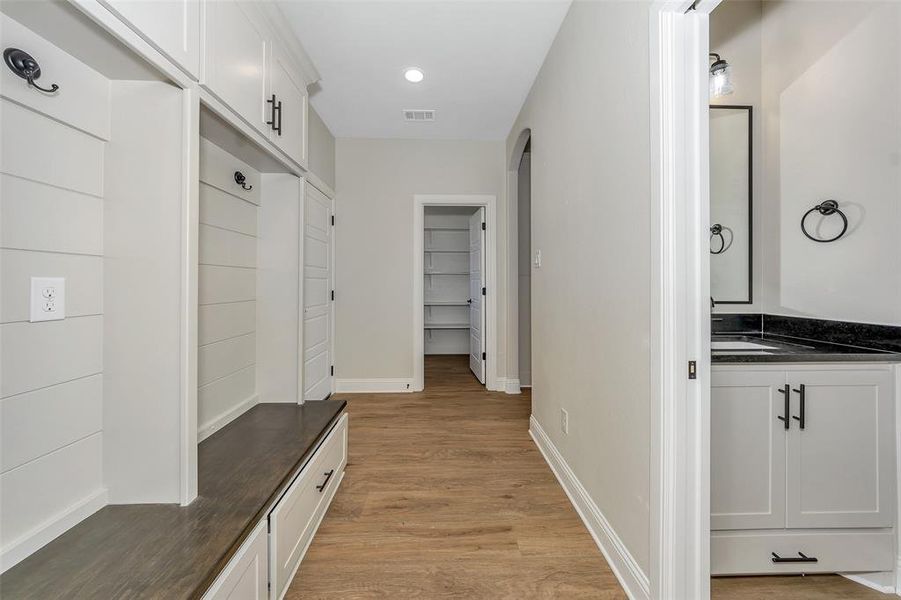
x=235, y=60
x=747, y=449
x=290, y=93
x=841, y=464
x=173, y=26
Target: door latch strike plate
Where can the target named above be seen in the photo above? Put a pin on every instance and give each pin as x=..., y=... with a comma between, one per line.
x=692, y=369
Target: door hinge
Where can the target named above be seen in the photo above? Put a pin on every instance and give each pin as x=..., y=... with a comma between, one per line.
x=483, y=226
x=484, y=356
x=483, y=291
x=333, y=295
x=692, y=369
x=333, y=220
x=332, y=371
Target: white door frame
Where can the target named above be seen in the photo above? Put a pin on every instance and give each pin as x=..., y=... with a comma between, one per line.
x=513, y=372
x=489, y=202
x=680, y=308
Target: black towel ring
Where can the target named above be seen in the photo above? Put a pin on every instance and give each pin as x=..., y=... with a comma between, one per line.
x=716, y=230
x=826, y=208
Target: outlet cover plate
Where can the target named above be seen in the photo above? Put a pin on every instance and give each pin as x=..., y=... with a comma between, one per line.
x=48, y=299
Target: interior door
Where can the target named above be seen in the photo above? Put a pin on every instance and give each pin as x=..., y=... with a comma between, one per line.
x=317, y=295
x=476, y=294
x=841, y=464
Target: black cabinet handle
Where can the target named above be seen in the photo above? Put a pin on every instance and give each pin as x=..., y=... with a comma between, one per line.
x=328, y=476
x=786, y=393
x=801, y=558
x=278, y=129
x=802, y=394
x=276, y=124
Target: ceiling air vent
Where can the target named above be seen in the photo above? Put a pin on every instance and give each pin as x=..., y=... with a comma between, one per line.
x=418, y=115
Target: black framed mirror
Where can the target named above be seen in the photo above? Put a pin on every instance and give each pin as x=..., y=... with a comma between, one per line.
x=731, y=203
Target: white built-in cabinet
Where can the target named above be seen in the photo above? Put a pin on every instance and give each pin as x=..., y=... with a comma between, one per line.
x=249, y=70
x=802, y=461
x=172, y=26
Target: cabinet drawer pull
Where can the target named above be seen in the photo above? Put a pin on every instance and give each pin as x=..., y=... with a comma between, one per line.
x=328, y=476
x=801, y=558
x=276, y=108
x=802, y=394
x=786, y=393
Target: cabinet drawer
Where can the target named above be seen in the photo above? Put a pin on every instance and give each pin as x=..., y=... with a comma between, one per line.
x=750, y=553
x=245, y=577
x=296, y=517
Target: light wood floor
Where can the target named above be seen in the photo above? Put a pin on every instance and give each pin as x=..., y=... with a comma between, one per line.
x=446, y=496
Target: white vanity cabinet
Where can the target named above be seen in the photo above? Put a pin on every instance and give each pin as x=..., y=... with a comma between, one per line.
x=802, y=461
x=173, y=26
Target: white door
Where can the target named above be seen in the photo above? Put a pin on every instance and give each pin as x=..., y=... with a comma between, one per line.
x=477, y=294
x=841, y=456
x=747, y=449
x=317, y=295
x=289, y=113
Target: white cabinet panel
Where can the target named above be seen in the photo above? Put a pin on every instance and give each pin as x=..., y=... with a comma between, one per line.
x=235, y=58
x=245, y=577
x=173, y=26
x=841, y=460
x=290, y=96
x=747, y=450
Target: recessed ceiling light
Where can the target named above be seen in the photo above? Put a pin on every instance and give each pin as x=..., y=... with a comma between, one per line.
x=413, y=75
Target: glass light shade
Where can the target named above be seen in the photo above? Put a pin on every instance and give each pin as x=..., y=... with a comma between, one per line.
x=721, y=82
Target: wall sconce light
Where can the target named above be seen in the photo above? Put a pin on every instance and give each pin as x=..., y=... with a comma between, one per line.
x=720, y=77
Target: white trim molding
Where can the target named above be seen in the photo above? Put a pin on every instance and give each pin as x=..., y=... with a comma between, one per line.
x=489, y=202
x=634, y=581
x=509, y=385
x=373, y=386
x=19, y=549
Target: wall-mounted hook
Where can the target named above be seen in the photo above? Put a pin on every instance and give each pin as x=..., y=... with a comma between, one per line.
x=25, y=66
x=242, y=181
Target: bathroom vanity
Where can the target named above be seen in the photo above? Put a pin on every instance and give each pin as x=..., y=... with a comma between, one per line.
x=802, y=456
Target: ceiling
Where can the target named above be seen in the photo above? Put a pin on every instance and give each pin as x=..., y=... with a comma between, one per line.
x=479, y=58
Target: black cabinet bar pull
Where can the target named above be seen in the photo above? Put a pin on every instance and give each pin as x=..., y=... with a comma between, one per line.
x=278, y=129
x=328, y=476
x=801, y=558
x=802, y=394
x=786, y=393
x=272, y=122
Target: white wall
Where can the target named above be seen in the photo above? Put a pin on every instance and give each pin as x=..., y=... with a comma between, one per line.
x=588, y=113
x=227, y=290
x=376, y=181
x=321, y=143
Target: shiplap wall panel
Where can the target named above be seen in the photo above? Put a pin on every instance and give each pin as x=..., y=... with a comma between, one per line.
x=219, y=359
x=225, y=211
x=226, y=354
x=40, y=149
x=37, y=355
x=70, y=221
x=222, y=321
x=50, y=485
x=84, y=282
x=227, y=248
x=37, y=423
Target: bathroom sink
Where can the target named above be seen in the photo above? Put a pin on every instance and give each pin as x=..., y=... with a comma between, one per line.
x=743, y=346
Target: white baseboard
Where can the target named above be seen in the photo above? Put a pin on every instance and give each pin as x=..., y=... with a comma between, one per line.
x=373, y=386
x=881, y=582
x=210, y=427
x=19, y=549
x=510, y=386
x=634, y=581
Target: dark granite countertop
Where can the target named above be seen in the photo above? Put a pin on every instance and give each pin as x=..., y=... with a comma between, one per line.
x=168, y=551
x=792, y=350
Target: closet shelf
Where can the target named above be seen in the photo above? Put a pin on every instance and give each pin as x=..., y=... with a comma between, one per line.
x=446, y=326
x=447, y=229
x=446, y=303
x=447, y=273
x=437, y=251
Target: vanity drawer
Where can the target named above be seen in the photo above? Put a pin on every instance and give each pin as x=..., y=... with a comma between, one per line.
x=297, y=514
x=750, y=553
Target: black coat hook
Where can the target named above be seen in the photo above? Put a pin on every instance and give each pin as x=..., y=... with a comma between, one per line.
x=25, y=66
x=826, y=208
x=241, y=180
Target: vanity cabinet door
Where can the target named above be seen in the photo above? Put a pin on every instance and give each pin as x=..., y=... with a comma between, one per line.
x=841, y=465
x=747, y=449
x=235, y=59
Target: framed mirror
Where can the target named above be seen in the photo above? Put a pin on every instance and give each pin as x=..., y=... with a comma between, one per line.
x=731, y=233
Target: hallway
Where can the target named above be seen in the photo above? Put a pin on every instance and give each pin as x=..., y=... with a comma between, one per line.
x=446, y=496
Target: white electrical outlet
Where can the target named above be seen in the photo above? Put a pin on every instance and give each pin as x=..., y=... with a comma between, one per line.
x=537, y=260
x=48, y=299
x=564, y=420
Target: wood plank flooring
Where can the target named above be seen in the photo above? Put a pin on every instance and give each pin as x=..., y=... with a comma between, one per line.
x=446, y=496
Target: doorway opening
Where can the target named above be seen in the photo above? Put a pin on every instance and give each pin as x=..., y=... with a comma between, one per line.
x=453, y=289
x=521, y=259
